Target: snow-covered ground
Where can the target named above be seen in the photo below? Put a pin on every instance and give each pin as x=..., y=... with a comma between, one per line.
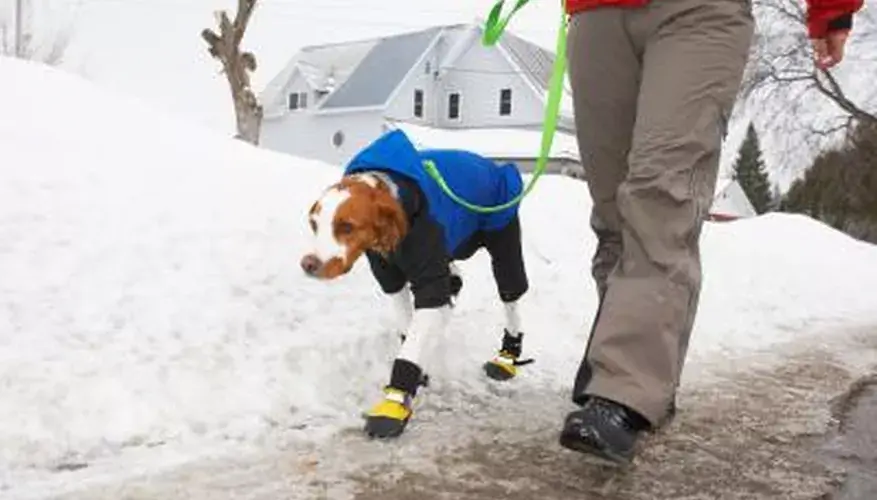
x=151, y=303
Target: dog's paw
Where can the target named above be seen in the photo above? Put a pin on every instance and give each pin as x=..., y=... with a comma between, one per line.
x=500, y=369
x=389, y=417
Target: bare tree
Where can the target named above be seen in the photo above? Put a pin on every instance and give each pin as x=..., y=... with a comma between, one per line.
x=42, y=44
x=782, y=71
x=235, y=64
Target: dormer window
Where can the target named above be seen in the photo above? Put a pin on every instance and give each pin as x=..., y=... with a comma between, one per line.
x=298, y=100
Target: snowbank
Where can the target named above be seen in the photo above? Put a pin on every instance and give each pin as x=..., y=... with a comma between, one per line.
x=150, y=291
x=492, y=142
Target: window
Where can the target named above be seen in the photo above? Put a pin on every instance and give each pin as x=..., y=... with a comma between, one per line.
x=338, y=139
x=427, y=68
x=505, y=102
x=418, y=103
x=454, y=106
x=298, y=100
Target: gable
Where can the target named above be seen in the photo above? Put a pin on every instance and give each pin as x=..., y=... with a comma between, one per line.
x=381, y=71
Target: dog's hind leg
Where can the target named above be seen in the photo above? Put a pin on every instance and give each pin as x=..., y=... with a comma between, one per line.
x=504, y=246
x=504, y=365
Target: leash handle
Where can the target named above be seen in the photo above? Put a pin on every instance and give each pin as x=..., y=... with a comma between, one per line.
x=494, y=26
x=492, y=32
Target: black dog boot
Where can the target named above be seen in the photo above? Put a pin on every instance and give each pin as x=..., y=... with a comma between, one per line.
x=504, y=365
x=603, y=429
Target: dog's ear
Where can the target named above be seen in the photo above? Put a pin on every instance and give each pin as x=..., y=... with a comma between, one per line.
x=390, y=223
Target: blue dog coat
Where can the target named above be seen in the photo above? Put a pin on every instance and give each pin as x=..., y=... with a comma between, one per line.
x=473, y=178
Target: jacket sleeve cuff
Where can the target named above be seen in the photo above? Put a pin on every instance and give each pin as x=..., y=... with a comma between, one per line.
x=819, y=28
x=840, y=23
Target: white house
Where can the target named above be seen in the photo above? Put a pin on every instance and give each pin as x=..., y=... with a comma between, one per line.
x=331, y=100
x=730, y=202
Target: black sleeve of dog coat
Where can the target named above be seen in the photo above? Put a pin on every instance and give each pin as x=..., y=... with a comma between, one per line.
x=422, y=257
x=388, y=275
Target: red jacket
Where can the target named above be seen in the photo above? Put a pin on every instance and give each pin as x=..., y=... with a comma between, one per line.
x=822, y=15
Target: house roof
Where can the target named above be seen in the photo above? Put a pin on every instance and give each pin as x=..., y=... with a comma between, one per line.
x=324, y=67
x=365, y=73
x=381, y=70
x=536, y=62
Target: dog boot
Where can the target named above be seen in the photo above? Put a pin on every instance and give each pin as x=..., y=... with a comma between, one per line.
x=504, y=365
x=389, y=417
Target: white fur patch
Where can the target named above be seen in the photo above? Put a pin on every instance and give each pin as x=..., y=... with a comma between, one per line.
x=403, y=309
x=512, y=318
x=427, y=326
x=325, y=245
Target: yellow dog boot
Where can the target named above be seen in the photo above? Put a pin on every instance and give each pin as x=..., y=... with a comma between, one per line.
x=504, y=365
x=389, y=417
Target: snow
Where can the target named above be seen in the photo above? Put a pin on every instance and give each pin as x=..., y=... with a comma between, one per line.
x=492, y=142
x=151, y=301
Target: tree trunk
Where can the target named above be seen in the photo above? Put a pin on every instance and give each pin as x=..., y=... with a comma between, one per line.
x=236, y=64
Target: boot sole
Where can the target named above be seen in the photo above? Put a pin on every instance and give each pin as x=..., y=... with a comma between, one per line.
x=384, y=427
x=593, y=454
x=496, y=372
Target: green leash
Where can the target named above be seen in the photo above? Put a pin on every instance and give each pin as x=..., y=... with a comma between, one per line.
x=493, y=29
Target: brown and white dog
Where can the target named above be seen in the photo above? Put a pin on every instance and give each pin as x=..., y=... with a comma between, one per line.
x=395, y=220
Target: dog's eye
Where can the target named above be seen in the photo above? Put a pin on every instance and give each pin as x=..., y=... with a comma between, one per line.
x=345, y=228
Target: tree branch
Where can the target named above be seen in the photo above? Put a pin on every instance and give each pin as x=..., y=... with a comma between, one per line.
x=225, y=47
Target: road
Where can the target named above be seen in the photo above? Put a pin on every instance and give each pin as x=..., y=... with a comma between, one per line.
x=803, y=428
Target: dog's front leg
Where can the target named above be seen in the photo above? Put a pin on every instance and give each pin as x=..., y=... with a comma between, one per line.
x=512, y=319
x=390, y=416
x=426, y=324
x=403, y=310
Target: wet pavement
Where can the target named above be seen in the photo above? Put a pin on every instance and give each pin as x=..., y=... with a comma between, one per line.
x=760, y=436
x=801, y=429
x=853, y=445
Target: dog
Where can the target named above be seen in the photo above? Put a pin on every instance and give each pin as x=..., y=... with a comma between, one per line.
x=387, y=208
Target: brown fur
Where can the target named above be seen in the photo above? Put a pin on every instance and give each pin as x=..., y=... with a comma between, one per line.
x=371, y=219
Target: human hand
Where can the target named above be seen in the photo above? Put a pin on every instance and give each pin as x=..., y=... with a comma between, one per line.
x=829, y=51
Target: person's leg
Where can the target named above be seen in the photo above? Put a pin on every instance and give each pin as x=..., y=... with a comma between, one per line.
x=604, y=70
x=694, y=57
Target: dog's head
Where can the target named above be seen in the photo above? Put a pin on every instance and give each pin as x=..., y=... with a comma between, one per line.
x=358, y=213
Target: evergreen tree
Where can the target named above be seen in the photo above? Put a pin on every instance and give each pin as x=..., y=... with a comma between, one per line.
x=750, y=172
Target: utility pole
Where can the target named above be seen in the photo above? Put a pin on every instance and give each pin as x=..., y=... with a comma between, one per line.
x=18, y=7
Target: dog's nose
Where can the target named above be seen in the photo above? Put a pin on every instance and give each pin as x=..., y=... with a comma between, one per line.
x=310, y=264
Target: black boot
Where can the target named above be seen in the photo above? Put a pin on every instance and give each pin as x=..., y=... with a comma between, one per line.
x=604, y=429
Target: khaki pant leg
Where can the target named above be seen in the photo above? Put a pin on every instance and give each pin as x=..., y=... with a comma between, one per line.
x=694, y=55
x=604, y=73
